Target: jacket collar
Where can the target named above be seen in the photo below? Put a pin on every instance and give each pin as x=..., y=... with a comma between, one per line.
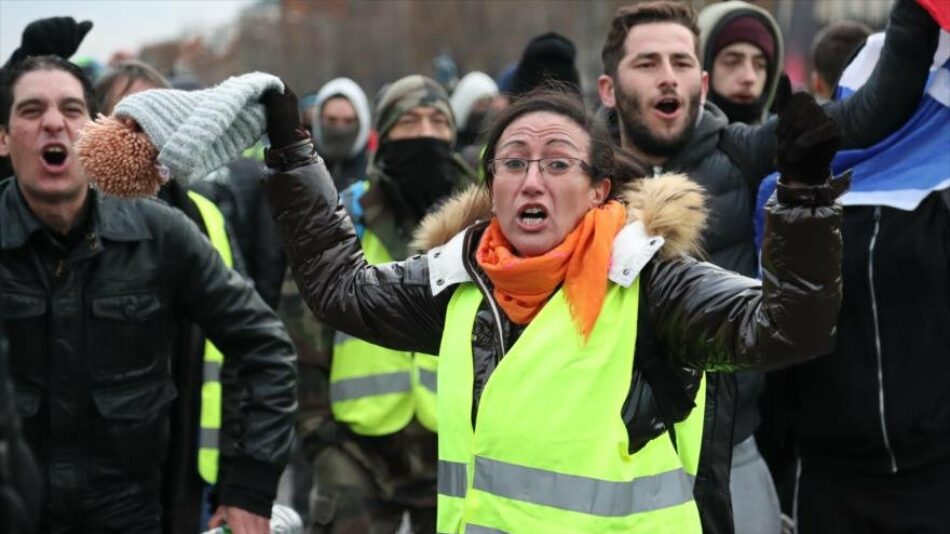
x=112, y=218
x=702, y=142
x=119, y=220
x=17, y=222
x=633, y=248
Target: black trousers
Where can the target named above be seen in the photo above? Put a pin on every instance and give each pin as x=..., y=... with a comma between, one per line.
x=845, y=502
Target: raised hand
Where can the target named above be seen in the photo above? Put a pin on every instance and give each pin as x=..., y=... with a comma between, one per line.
x=284, y=126
x=807, y=138
x=60, y=36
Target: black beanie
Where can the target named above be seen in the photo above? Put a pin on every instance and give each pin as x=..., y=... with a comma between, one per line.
x=547, y=58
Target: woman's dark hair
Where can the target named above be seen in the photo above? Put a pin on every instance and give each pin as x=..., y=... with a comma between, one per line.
x=601, y=157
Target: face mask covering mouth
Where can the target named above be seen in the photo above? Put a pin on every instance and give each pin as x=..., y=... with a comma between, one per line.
x=338, y=141
x=420, y=169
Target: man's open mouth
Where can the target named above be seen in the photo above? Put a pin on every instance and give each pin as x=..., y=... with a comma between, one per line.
x=55, y=155
x=532, y=216
x=668, y=105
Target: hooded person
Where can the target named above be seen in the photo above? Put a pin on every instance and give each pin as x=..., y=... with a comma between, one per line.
x=341, y=128
x=367, y=419
x=474, y=100
x=471, y=103
x=743, y=52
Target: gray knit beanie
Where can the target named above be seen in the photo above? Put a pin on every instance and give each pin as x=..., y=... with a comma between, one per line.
x=196, y=132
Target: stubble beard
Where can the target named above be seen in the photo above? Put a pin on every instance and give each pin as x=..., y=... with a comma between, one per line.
x=637, y=133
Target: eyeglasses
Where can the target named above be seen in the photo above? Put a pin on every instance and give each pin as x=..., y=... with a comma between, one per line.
x=518, y=167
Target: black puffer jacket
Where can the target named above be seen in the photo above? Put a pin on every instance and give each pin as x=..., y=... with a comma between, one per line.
x=104, y=311
x=704, y=317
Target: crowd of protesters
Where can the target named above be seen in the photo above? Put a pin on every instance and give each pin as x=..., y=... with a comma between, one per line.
x=701, y=303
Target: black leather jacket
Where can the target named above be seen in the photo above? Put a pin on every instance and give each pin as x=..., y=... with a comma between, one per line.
x=91, y=332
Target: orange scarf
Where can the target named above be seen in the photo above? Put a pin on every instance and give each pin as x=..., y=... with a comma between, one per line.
x=581, y=262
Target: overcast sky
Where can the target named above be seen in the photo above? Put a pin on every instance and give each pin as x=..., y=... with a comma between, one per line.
x=118, y=24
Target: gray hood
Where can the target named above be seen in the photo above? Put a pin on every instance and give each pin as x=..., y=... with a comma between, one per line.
x=348, y=89
x=714, y=17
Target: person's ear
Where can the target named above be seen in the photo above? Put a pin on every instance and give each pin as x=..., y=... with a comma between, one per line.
x=600, y=191
x=605, y=88
x=4, y=142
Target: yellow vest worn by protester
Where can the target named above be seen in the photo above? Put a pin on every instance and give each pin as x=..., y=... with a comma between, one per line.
x=548, y=449
x=210, y=420
x=375, y=390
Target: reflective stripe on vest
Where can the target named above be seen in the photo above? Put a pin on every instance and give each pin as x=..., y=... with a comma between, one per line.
x=375, y=390
x=210, y=420
x=549, y=449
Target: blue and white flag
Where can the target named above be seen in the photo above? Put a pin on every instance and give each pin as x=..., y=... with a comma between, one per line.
x=901, y=170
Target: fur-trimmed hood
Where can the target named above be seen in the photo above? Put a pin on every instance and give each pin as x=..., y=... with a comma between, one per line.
x=670, y=206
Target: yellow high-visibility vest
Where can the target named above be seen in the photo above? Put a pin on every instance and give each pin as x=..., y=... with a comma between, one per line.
x=375, y=390
x=210, y=420
x=548, y=450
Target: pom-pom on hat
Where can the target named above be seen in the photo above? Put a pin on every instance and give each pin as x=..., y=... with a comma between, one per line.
x=192, y=132
x=120, y=157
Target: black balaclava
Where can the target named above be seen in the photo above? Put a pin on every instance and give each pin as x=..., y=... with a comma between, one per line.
x=419, y=170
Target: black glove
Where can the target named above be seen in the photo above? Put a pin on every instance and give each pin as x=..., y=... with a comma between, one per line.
x=59, y=36
x=807, y=138
x=284, y=126
x=783, y=92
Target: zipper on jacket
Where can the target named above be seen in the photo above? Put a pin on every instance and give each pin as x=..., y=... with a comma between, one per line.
x=657, y=170
x=484, y=289
x=877, y=340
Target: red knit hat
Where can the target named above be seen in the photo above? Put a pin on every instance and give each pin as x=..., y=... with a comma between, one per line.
x=746, y=29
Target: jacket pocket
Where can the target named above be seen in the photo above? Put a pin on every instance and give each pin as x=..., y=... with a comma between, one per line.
x=25, y=317
x=131, y=433
x=123, y=333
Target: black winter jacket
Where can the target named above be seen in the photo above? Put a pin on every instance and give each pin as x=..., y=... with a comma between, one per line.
x=91, y=332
